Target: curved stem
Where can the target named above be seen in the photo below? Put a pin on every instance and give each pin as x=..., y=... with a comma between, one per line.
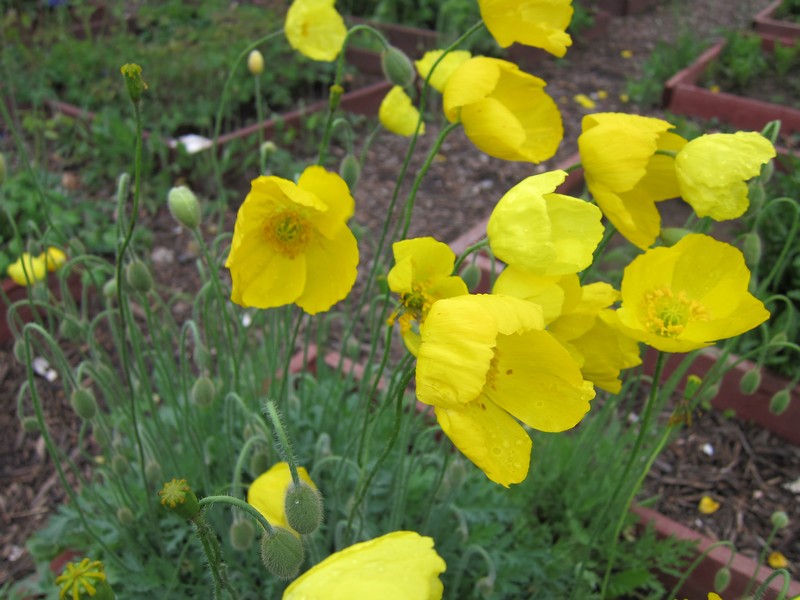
x=241, y=505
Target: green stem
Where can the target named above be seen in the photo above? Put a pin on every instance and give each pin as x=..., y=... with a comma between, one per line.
x=687, y=573
x=214, y=556
x=240, y=504
x=260, y=116
x=761, y=560
x=282, y=439
x=470, y=250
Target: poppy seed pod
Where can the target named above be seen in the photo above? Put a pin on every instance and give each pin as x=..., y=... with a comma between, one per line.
x=177, y=496
x=303, y=506
x=282, y=553
x=184, y=207
x=397, y=67
x=255, y=62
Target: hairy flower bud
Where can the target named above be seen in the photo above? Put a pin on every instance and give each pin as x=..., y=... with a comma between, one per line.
x=120, y=465
x=30, y=425
x=259, y=462
x=83, y=403
x=752, y=249
x=110, y=289
x=750, y=381
x=138, y=276
x=303, y=507
x=70, y=329
x=203, y=391
x=152, y=472
x=779, y=519
x=184, y=206
x=722, y=579
x=780, y=402
x=242, y=534
x=132, y=73
x=397, y=67
x=255, y=62
x=124, y=516
x=350, y=170
x=282, y=553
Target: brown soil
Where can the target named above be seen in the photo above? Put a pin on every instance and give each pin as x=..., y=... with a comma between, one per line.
x=461, y=188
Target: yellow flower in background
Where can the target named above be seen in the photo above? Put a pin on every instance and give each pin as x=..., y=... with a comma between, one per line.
x=266, y=493
x=87, y=579
x=543, y=232
x=584, y=101
x=444, y=69
x=590, y=331
x=626, y=54
x=291, y=243
x=315, y=29
x=713, y=169
x=54, y=258
x=27, y=269
x=713, y=596
x=777, y=560
x=485, y=362
x=422, y=274
x=505, y=112
x=625, y=175
x=537, y=23
x=688, y=296
x=397, y=114
x=553, y=293
x=401, y=565
x=708, y=506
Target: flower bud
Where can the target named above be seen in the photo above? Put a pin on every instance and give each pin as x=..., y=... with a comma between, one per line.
x=132, y=73
x=750, y=381
x=177, y=496
x=203, y=391
x=259, y=462
x=485, y=587
x=471, y=275
x=76, y=247
x=454, y=477
x=779, y=338
x=119, y=464
x=152, y=472
x=673, y=235
x=2, y=169
x=138, y=276
x=255, y=62
x=322, y=449
x=124, y=516
x=397, y=67
x=70, y=329
x=110, y=289
x=350, y=170
x=779, y=519
x=201, y=356
x=282, y=553
x=756, y=196
x=242, y=534
x=184, y=207
x=303, y=507
x=83, y=403
x=54, y=258
x=30, y=425
x=752, y=249
x=780, y=402
x=722, y=579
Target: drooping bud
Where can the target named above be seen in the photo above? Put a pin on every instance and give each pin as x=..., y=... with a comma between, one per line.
x=184, y=206
x=18, y=350
x=722, y=579
x=138, y=276
x=752, y=249
x=303, y=507
x=259, y=462
x=124, y=516
x=203, y=391
x=779, y=519
x=397, y=67
x=255, y=62
x=83, y=403
x=201, y=356
x=152, y=472
x=673, y=235
x=120, y=465
x=30, y=425
x=110, y=289
x=780, y=402
x=350, y=170
x=750, y=381
x=756, y=195
x=471, y=276
x=177, y=496
x=242, y=534
x=282, y=553
x=70, y=329
x=322, y=449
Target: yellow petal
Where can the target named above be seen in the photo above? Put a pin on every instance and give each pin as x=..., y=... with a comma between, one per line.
x=27, y=269
x=54, y=258
x=777, y=560
x=490, y=438
x=537, y=23
x=330, y=189
x=712, y=170
x=315, y=29
x=397, y=114
x=401, y=565
x=267, y=492
x=542, y=290
x=708, y=506
x=444, y=69
x=331, y=271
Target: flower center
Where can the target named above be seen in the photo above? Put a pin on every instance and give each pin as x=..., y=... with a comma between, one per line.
x=289, y=233
x=666, y=313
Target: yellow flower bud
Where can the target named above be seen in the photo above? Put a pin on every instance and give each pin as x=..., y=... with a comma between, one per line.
x=255, y=62
x=184, y=207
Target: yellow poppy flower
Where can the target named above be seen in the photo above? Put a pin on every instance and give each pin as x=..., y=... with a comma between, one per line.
x=712, y=170
x=589, y=330
x=688, y=296
x=422, y=275
x=267, y=492
x=444, y=69
x=505, y=111
x=291, y=243
x=625, y=175
x=315, y=29
x=54, y=258
x=485, y=362
x=537, y=23
x=401, y=565
x=542, y=232
x=397, y=114
x=554, y=294
x=27, y=269
x=707, y=505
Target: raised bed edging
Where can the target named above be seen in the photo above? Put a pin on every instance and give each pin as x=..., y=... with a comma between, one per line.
x=682, y=95
x=765, y=22
x=620, y=8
